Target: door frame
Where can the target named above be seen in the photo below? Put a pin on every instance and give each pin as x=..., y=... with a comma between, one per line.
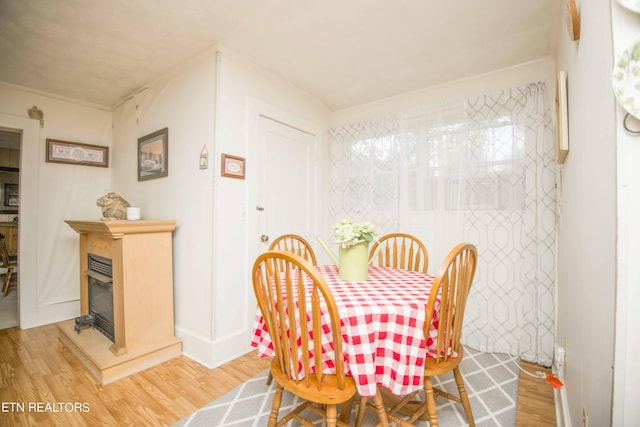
x=30, y=155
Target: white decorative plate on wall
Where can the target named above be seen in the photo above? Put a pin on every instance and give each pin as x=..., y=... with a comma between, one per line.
x=632, y=5
x=626, y=79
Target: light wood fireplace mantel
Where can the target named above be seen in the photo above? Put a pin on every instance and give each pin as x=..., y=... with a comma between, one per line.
x=141, y=256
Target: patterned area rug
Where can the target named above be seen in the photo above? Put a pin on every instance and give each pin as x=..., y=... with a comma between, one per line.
x=491, y=380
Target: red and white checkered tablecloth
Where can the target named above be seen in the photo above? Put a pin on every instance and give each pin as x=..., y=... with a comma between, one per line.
x=382, y=329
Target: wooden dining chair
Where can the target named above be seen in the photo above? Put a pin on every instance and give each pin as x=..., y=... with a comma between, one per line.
x=451, y=287
x=400, y=250
x=6, y=263
x=296, y=244
x=281, y=280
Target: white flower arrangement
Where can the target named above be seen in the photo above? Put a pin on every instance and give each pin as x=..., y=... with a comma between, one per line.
x=348, y=233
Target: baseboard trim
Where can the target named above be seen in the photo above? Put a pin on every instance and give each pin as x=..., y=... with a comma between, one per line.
x=212, y=353
x=563, y=418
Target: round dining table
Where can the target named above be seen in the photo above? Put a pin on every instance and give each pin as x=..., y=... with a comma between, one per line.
x=382, y=325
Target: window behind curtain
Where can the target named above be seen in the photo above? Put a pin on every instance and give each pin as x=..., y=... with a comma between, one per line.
x=451, y=167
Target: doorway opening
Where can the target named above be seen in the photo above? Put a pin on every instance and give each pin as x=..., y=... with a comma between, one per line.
x=10, y=144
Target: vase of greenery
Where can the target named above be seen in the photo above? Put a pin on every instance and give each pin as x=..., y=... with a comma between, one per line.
x=353, y=241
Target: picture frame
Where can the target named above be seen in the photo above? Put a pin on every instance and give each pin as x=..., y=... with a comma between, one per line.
x=562, y=120
x=75, y=153
x=153, y=155
x=232, y=166
x=11, y=195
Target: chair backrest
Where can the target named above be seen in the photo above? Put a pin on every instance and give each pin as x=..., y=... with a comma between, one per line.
x=280, y=280
x=400, y=250
x=451, y=286
x=296, y=244
x=4, y=252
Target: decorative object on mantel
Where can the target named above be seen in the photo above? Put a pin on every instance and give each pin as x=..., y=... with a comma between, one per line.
x=626, y=81
x=572, y=20
x=562, y=120
x=632, y=5
x=114, y=207
x=353, y=241
x=36, y=114
x=133, y=214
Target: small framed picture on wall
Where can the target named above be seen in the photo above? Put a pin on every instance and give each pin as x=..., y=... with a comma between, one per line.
x=153, y=155
x=232, y=166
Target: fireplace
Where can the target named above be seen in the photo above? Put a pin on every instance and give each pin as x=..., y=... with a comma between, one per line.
x=126, y=298
x=100, y=283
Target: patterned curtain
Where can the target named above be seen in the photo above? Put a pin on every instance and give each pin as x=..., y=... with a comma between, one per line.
x=363, y=173
x=482, y=171
x=511, y=307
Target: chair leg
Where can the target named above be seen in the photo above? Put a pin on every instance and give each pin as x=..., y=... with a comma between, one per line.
x=431, y=402
x=7, y=281
x=463, y=396
x=345, y=411
x=332, y=416
x=378, y=406
x=275, y=407
x=361, y=409
x=380, y=410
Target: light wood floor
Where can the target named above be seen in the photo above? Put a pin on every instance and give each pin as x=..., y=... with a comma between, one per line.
x=38, y=373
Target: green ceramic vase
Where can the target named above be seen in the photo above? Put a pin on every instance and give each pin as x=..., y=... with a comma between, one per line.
x=354, y=262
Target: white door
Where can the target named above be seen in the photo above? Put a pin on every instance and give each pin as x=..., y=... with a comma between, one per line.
x=286, y=193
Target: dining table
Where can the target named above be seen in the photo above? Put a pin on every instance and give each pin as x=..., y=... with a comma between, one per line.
x=382, y=327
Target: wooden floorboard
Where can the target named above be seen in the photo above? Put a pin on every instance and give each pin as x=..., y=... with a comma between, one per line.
x=38, y=372
x=536, y=407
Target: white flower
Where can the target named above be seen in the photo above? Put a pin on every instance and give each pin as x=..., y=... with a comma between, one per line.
x=348, y=233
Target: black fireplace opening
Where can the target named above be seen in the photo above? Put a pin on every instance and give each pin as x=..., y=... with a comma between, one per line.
x=100, y=281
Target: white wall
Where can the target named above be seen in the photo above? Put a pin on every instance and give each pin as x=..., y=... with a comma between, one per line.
x=626, y=391
x=50, y=193
x=246, y=92
x=587, y=224
x=214, y=101
x=184, y=102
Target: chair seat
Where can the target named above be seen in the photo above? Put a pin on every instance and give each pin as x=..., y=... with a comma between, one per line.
x=433, y=368
x=328, y=394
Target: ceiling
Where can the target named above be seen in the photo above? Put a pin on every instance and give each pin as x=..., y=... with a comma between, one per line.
x=344, y=52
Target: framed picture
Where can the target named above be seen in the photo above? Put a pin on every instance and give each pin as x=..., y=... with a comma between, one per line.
x=11, y=195
x=153, y=153
x=77, y=154
x=562, y=121
x=232, y=166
